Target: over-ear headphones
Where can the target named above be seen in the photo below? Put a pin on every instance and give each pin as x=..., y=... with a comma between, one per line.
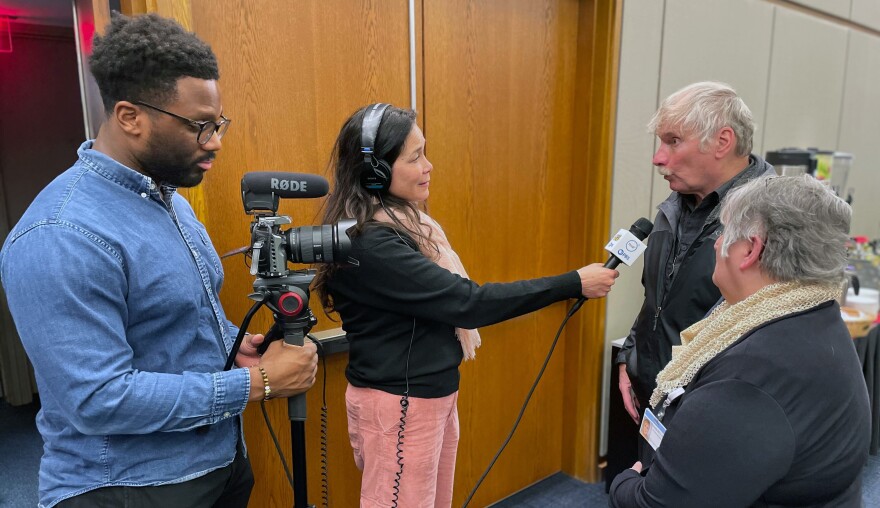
x=375, y=172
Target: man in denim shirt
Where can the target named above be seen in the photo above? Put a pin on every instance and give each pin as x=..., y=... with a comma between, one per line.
x=113, y=285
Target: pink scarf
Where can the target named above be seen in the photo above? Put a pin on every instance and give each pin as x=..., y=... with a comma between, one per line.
x=445, y=257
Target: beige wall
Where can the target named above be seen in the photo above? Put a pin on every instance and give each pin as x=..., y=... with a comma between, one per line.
x=808, y=71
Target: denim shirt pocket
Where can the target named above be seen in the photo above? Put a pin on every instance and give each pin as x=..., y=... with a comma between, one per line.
x=212, y=253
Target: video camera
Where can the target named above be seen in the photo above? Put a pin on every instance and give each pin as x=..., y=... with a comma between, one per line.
x=285, y=291
x=271, y=247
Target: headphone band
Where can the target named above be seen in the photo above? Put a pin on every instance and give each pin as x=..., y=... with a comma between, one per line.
x=370, y=129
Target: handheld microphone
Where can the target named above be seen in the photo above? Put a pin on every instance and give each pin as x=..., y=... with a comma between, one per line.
x=626, y=247
x=261, y=190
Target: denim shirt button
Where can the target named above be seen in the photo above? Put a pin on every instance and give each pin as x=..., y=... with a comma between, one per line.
x=143, y=194
x=226, y=415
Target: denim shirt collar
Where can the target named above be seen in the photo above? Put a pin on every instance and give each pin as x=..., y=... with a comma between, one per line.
x=124, y=176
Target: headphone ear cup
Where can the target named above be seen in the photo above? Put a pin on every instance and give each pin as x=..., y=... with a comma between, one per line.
x=376, y=175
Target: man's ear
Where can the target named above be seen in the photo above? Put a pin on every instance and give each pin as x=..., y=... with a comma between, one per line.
x=756, y=248
x=130, y=118
x=726, y=142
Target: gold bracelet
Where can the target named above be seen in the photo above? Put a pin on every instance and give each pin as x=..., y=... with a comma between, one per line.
x=266, y=388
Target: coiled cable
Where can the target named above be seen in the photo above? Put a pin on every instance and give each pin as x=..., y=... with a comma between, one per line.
x=404, y=407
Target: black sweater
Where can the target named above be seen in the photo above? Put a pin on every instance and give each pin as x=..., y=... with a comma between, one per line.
x=780, y=418
x=395, y=295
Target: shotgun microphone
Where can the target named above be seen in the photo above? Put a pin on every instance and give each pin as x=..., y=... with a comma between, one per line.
x=260, y=191
x=285, y=185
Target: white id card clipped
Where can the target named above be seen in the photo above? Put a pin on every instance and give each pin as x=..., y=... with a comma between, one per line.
x=651, y=429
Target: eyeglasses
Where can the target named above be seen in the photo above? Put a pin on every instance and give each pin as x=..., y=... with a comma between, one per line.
x=207, y=129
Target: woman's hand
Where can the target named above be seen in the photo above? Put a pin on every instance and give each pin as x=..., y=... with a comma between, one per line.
x=596, y=280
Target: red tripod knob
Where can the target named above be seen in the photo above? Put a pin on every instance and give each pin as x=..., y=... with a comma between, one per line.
x=290, y=304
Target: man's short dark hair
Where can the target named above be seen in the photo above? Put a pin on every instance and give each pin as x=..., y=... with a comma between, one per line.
x=141, y=58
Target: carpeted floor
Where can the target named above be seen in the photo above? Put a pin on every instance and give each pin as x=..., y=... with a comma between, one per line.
x=20, y=451
x=562, y=491
x=21, y=447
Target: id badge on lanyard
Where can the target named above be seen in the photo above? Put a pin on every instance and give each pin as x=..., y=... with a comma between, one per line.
x=651, y=428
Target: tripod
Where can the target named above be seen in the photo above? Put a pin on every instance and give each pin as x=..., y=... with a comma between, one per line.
x=288, y=298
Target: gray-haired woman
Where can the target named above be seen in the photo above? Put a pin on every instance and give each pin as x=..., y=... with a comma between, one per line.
x=764, y=404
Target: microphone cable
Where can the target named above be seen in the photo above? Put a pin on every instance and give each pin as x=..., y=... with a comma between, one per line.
x=404, y=407
x=325, y=483
x=574, y=308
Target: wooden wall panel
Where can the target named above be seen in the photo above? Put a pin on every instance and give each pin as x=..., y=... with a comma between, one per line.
x=595, y=98
x=291, y=73
x=499, y=89
x=500, y=81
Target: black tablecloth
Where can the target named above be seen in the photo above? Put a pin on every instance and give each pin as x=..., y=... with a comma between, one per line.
x=869, y=354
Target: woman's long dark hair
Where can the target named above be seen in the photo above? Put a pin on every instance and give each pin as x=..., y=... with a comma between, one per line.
x=351, y=200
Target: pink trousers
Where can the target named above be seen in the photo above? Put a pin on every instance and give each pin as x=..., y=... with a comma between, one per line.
x=429, y=446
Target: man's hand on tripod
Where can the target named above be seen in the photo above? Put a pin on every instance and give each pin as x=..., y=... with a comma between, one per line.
x=248, y=356
x=291, y=370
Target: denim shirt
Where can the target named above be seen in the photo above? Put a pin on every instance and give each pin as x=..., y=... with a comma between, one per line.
x=113, y=283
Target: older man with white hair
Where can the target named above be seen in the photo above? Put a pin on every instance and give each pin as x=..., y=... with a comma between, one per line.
x=704, y=134
x=764, y=403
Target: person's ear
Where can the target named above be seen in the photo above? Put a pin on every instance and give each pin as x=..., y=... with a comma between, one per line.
x=130, y=118
x=725, y=142
x=753, y=256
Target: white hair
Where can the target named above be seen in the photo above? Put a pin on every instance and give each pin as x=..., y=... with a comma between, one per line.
x=703, y=109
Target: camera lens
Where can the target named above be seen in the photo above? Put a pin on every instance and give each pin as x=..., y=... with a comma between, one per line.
x=319, y=244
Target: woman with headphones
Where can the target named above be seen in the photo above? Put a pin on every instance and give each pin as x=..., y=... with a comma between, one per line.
x=410, y=311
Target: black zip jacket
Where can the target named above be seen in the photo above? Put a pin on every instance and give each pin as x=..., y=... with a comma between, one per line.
x=690, y=295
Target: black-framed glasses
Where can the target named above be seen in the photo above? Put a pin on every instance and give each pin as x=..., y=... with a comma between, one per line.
x=207, y=129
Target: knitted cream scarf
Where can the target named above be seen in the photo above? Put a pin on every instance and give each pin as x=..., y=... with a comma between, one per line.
x=448, y=259
x=727, y=323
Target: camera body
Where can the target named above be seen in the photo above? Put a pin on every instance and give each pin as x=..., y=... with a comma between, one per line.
x=273, y=247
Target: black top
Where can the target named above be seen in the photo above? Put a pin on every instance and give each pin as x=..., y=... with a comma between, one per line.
x=780, y=418
x=395, y=295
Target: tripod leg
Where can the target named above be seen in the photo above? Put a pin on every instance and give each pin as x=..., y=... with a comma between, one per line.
x=298, y=444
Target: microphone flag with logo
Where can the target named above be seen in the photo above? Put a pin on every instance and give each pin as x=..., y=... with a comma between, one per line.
x=627, y=246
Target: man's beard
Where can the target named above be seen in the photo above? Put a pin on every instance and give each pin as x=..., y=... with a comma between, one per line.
x=167, y=166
